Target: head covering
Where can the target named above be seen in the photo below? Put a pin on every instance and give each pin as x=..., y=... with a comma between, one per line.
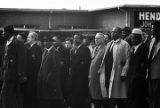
x=137, y=31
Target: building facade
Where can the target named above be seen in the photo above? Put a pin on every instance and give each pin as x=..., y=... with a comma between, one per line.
x=71, y=21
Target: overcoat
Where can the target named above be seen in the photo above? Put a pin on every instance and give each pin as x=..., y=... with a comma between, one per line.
x=34, y=57
x=80, y=62
x=136, y=78
x=14, y=62
x=118, y=87
x=48, y=84
x=94, y=74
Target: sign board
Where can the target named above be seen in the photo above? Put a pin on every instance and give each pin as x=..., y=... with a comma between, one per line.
x=145, y=18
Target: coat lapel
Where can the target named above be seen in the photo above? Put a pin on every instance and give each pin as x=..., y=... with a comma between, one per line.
x=156, y=50
x=151, y=46
x=106, y=50
x=45, y=55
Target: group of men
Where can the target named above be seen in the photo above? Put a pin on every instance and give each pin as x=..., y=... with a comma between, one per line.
x=36, y=78
x=124, y=73
x=116, y=75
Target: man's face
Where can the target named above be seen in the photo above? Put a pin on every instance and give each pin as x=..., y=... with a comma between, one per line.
x=55, y=41
x=48, y=44
x=115, y=34
x=19, y=37
x=77, y=40
x=136, y=39
x=124, y=34
x=99, y=39
x=5, y=34
x=30, y=38
x=68, y=44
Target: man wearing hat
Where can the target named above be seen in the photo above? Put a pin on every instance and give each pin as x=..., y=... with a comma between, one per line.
x=136, y=76
x=154, y=66
x=14, y=61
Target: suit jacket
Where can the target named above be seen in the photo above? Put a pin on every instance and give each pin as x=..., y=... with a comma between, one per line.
x=138, y=62
x=154, y=68
x=137, y=73
x=14, y=61
x=48, y=84
x=80, y=62
x=65, y=62
x=34, y=54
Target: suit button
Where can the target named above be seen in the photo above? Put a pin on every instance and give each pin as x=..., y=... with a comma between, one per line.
x=61, y=62
x=11, y=60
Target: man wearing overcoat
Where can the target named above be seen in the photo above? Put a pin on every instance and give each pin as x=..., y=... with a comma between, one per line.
x=80, y=62
x=14, y=62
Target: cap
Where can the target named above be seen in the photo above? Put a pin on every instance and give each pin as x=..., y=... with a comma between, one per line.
x=137, y=31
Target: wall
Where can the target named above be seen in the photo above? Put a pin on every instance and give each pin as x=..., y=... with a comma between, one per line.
x=24, y=18
x=42, y=19
x=71, y=19
x=110, y=18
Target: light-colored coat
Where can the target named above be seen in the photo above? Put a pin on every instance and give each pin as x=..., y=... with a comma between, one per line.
x=94, y=83
x=117, y=87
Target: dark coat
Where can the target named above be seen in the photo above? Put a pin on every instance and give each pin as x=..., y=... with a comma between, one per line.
x=13, y=70
x=49, y=86
x=29, y=89
x=14, y=61
x=80, y=62
x=137, y=86
x=34, y=54
x=65, y=59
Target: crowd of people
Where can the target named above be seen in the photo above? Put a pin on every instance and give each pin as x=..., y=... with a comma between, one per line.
x=116, y=70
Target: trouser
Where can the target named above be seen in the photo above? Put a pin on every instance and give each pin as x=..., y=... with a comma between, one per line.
x=118, y=103
x=11, y=95
x=101, y=103
x=155, y=93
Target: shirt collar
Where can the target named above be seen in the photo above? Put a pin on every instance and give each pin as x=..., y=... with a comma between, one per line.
x=32, y=44
x=49, y=48
x=78, y=46
x=136, y=47
x=116, y=41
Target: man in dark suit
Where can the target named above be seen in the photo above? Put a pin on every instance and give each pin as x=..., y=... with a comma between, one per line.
x=64, y=67
x=137, y=86
x=154, y=66
x=49, y=85
x=80, y=62
x=34, y=55
x=13, y=70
